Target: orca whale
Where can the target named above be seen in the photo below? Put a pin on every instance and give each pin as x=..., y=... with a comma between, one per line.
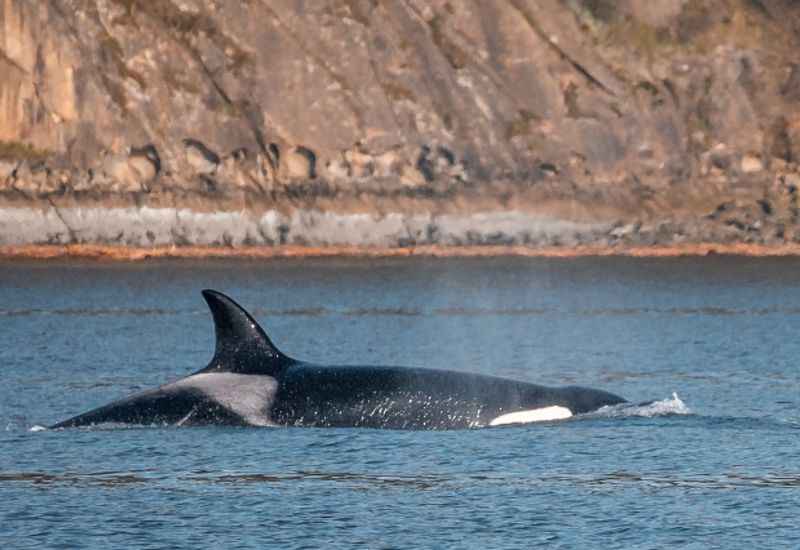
x=250, y=382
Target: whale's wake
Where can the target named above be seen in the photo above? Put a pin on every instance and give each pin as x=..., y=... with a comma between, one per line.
x=673, y=406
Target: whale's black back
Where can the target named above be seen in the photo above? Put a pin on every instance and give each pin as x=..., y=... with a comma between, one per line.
x=413, y=398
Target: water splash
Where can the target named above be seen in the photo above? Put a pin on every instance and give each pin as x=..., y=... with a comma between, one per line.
x=673, y=406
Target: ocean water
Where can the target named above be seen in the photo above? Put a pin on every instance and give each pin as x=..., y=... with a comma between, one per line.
x=713, y=463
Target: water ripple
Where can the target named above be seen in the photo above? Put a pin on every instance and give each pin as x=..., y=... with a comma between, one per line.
x=319, y=311
x=372, y=312
x=90, y=312
x=727, y=481
x=470, y=312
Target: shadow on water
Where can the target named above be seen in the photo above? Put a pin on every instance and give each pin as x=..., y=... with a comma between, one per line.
x=355, y=480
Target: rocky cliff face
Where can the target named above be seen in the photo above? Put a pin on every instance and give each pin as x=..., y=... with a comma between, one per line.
x=519, y=121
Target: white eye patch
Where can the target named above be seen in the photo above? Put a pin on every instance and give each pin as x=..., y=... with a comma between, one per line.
x=534, y=415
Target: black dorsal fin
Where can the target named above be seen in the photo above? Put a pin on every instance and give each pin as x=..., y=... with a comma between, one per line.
x=242, y=346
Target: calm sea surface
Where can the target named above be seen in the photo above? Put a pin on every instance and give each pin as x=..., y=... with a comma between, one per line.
x=716, y=467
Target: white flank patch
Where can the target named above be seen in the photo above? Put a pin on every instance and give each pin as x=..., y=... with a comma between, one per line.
x=248, y=396
x=533, y=415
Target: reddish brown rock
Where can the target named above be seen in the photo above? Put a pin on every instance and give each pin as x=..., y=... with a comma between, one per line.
x=618, y=108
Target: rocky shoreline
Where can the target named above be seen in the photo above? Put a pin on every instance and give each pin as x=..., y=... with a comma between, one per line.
x=132, y=254
x=761, y=209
